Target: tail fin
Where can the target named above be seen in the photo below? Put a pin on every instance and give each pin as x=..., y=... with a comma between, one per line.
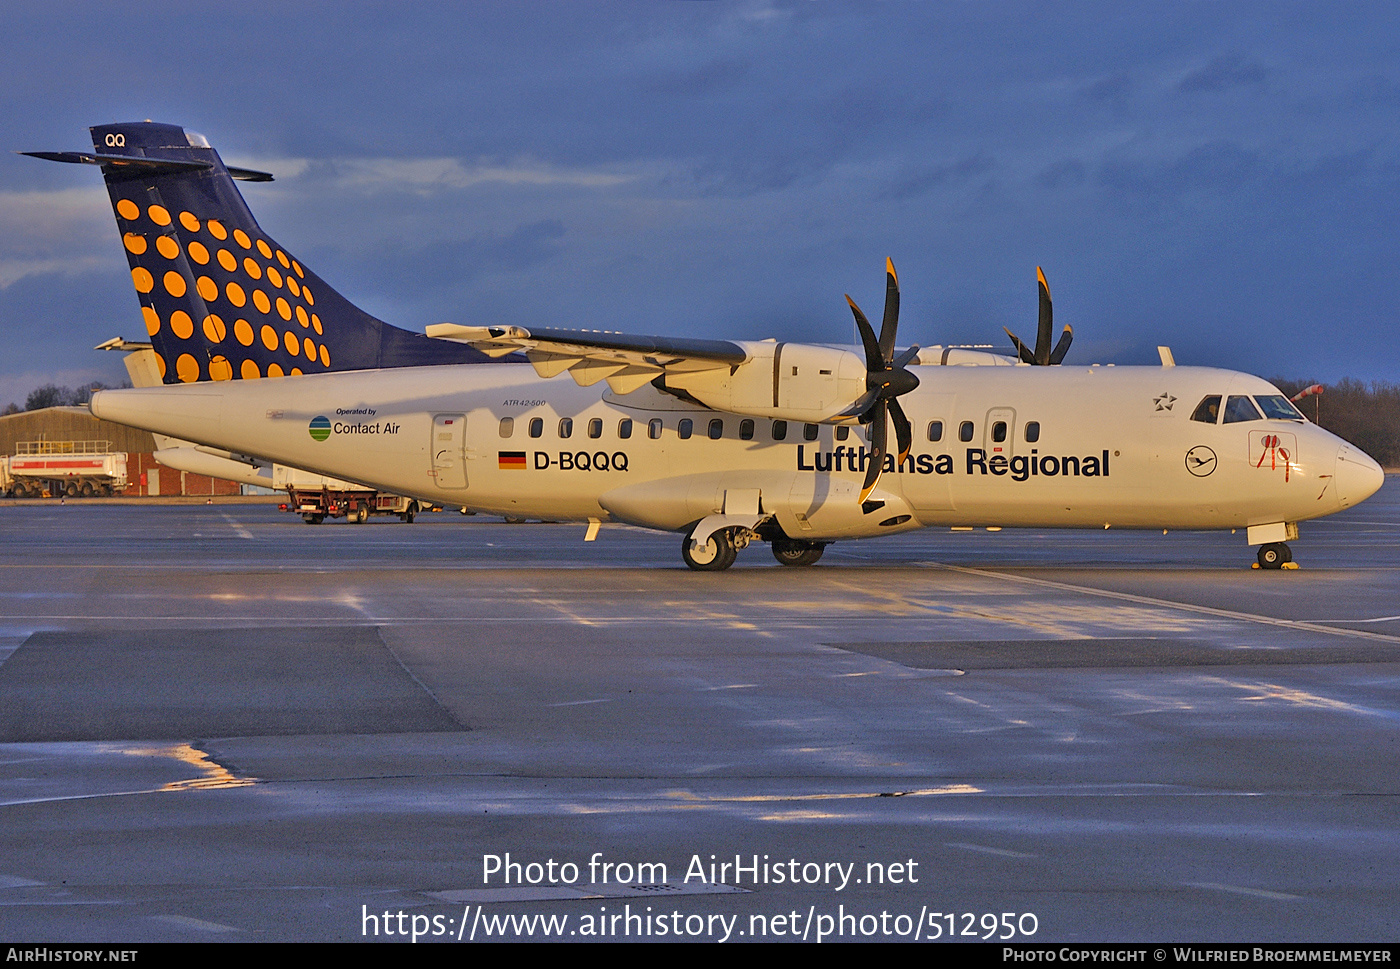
x=221, y=299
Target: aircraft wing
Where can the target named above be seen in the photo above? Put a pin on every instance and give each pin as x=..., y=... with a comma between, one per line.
x=625, y=361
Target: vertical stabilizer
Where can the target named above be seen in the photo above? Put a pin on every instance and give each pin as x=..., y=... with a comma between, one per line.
x=222, y=300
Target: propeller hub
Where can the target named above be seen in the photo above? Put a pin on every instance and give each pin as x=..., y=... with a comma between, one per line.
x=891, y=383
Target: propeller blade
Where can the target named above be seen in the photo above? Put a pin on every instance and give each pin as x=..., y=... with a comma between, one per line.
x=1023, y=351
x=1047, y=316
x=891, y=321
x=879, y=437
x=903, y=432
x=874, y=359
x=886, y=378
x=903, y=360
x=1061, y=348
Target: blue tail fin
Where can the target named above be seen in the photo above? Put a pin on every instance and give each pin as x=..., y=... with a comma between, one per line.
x=221, y=299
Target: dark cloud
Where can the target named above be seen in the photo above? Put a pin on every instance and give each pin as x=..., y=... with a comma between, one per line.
x=1223, y=72
x=925, y=178
x=448, y=264
x=766, y=156
x=1112, y=89
x=1217, y=170
x=712, y=77
x=1062, y=174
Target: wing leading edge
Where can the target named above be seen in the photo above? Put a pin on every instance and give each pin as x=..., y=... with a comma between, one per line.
x=625, y=361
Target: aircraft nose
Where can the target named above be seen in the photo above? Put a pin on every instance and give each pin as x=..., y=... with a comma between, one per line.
x=1358, y=476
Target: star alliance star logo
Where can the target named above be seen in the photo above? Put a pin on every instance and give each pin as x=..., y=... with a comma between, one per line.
x=1165, y=401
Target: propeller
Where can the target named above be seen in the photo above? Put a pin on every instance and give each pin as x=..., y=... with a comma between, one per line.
x=1043, y=355
x=885, y=379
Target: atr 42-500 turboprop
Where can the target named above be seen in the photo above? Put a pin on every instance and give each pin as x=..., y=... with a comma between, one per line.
x=724, y=442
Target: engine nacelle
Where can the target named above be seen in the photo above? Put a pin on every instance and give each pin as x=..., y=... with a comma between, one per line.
x=785, y=381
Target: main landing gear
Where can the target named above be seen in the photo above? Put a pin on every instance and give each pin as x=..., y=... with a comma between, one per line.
x=1275, y=555
x=791, y=551
x=719, y=551
x=722, y=547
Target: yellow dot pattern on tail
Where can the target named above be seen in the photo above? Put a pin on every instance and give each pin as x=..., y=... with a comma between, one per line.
x=191, y=262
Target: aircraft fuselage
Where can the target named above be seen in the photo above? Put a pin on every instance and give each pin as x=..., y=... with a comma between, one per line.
x=993, y=446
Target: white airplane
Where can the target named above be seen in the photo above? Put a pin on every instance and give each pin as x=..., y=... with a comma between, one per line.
x=723, y=442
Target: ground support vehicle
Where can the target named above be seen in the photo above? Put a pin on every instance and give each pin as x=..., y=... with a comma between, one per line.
x=53, y=469
x=315, y=498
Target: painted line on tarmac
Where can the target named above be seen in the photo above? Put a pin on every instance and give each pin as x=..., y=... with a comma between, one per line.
x=1172, y=604
x=1245, y=890
x=236, y=525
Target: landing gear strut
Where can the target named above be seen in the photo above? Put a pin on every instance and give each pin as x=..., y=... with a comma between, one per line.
x=796, y=553
x=717, y=554
x=1274, y=555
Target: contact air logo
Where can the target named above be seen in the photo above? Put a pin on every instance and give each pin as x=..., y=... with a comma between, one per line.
x=320, y=428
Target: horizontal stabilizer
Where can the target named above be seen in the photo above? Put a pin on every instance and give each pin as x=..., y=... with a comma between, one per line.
x=133, y=163
x=153, y=166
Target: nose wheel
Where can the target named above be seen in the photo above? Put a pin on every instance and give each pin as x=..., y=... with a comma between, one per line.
x=1274, y=555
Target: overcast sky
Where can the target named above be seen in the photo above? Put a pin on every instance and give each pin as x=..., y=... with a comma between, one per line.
x=1220, y=177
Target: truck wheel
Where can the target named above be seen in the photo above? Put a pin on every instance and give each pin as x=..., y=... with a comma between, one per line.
x=360, y=513
x=71, y=489
x=86, y=489
x=313, y=519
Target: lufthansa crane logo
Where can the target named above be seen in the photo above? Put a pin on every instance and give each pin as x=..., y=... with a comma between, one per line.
x=1200, y=460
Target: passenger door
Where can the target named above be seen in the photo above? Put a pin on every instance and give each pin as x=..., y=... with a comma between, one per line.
x=448, y=449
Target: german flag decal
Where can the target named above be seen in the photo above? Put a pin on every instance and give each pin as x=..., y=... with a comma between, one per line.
x=514, y=460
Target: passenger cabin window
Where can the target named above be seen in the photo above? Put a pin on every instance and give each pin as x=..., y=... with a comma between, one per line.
x=595, y=427
x=843, y=433
x=746, y=430
x=654, y=428
x=507, y=426
x=685, y=428
x=1032, y=431
x=1240, y=408
x=716, y=428
x=536, y=426
x=965, y=431
x=935, y=431
x=566, y=427
x=780, y=430
x=999, y=432
x=1208, y=410
x=809, y=432
x=1277, y=407
x=624, y=428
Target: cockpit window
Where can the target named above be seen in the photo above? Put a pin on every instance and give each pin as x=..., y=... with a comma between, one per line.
x=1277, y=407
x=1207, y=410
x=1240, y=408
